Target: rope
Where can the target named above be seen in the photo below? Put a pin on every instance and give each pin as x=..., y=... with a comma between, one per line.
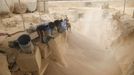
x=40, y=16
x=8, y=7
x=39, y=10
x=1, y=20
x=124, y=6
x=133, y=14
x=21, y=14
x=44, y=5
x=9, y=12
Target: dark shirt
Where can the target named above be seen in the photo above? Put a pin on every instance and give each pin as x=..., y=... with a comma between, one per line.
x=42, y=27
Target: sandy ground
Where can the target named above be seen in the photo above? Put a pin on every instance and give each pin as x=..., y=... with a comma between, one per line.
x=82, y=54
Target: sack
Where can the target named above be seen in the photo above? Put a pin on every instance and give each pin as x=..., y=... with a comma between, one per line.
x=47, y=38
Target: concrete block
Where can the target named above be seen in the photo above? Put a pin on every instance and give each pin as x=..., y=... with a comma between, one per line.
x=29, y=62
x=4, y=10
x=45, y=52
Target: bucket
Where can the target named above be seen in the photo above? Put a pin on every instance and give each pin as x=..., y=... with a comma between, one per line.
x=25, y=43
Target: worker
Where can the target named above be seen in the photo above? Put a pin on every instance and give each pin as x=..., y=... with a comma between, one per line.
x=44, y=31
x=68, y=24
x=57, y=24
x=63, y=25
x=40, y=30
x=51, y=29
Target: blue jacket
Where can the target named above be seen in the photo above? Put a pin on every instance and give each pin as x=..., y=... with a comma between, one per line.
x=64, y=25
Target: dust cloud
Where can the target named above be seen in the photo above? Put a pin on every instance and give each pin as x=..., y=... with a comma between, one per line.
x=82, y=52
x=83, y=57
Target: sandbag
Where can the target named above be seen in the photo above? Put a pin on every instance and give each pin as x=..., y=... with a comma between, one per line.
x=31, y=5
x=57, y=55
x=20, y=8
x=45, y=52
x=4, y=10
x=4, y=65
x=41, y=6
x=29, y=62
